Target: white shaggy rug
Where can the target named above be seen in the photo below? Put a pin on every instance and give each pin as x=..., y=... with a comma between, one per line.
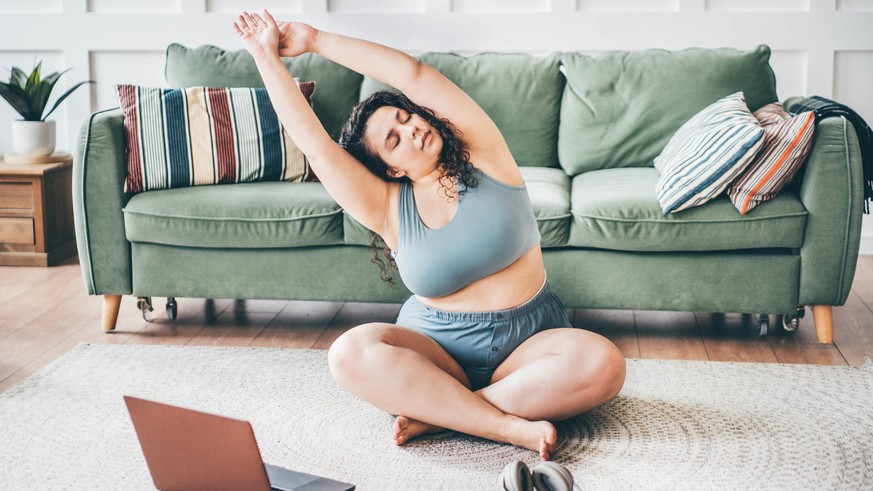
x=676, y=425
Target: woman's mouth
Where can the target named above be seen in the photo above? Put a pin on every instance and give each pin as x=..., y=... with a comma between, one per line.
x=425, y=139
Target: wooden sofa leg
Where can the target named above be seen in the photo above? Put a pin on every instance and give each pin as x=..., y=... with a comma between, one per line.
x=824, y=323
x=111, y=305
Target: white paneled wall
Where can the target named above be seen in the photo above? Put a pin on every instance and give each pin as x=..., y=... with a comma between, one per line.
x=128, y=7
x=117, y=67
x=627, y=5
x=822, y=47
x=758, y=5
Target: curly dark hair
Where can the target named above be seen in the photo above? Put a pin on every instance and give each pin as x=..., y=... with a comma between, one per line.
x=454, y=160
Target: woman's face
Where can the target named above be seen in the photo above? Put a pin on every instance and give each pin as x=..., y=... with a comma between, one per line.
x=405, y=141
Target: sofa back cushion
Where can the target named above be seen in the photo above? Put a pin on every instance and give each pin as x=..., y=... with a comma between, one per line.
x=337, y=86
x=521, y=93
x=620, y=108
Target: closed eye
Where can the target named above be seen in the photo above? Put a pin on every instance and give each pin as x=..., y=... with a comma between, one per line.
x=395, y=135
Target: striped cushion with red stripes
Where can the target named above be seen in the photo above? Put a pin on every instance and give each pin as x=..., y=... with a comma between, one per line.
x=787, y=142
x=203, y=135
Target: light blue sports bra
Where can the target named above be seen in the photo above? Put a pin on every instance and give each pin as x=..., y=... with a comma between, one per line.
x=493, y=226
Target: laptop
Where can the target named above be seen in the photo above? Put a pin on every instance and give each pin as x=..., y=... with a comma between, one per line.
x=192, y=450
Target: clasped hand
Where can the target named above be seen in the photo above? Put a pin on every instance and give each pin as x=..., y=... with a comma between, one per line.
x=263, y=35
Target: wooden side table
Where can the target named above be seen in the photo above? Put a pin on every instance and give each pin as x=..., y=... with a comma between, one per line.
x=36, y=213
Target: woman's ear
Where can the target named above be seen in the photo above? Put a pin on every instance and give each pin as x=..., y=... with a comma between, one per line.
x=395, y=174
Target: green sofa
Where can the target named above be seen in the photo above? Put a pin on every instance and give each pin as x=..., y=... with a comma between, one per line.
x=584, y=129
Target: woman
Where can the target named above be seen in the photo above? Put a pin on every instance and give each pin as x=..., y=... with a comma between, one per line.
x=483, y=347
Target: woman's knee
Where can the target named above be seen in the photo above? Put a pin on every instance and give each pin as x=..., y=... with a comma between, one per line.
x=347, y=355
x=602, y=375
x=611, y=369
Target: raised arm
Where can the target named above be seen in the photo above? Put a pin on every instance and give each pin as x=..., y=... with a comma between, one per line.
x=356, y=189
x=425, y=86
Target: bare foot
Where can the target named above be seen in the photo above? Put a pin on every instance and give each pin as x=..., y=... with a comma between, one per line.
x=406, y=429
x=539, y=436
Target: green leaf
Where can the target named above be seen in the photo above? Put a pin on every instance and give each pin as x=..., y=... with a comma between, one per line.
x=44, y=90
x=29, y=94
x=18, y=77
x=40, y=98
x=33, y=79
x=16, y=98
x=51, y=79
x=65, y=94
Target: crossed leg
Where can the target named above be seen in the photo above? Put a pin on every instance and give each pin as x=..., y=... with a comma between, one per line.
x=553, y=375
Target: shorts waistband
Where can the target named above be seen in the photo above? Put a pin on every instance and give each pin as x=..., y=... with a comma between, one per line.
x=490, y=316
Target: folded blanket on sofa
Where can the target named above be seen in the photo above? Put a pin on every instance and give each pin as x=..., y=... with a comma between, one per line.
x=825, y=108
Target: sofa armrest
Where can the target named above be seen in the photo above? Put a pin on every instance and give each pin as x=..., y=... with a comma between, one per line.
x=99, y=169
x=832, y=192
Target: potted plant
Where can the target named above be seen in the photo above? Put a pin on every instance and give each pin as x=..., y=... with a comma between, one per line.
x=33, y=136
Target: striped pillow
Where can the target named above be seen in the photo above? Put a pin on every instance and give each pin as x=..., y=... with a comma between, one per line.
x=707, y=153
x=200, y=136
x=787, y=142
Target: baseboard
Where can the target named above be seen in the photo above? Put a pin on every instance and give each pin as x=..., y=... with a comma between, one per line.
x=866, y=247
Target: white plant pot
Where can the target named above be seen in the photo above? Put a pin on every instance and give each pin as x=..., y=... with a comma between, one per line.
x=33, y=138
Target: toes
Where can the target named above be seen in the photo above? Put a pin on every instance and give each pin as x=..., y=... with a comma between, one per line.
x=547, y=444
x=401, y=423
x=544, y=451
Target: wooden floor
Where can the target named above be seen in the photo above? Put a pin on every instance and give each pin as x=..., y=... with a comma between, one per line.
x=44, y=312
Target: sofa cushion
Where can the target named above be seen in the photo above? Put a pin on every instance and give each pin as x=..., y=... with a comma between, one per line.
x=549, y=191
x=787, y=142
x=253, y=215
x=707, y=153
x=338, y=87
x=617, y=209
x=521, y=93
x=206, y=135
x=620, y=108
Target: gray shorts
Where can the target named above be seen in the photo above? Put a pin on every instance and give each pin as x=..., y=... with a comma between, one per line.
x=480, y=341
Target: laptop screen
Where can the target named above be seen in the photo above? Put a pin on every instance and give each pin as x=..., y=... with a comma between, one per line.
x=193, y=450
